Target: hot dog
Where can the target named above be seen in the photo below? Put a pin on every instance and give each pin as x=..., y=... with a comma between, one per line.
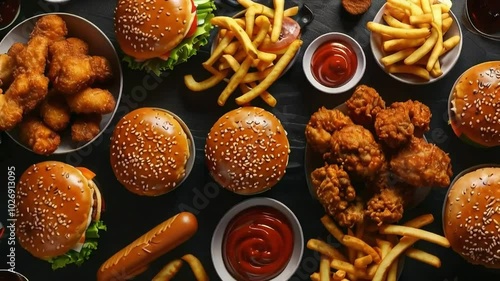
x=135, y=258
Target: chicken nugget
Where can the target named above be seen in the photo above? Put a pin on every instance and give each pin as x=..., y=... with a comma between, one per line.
x=363, y=105
x=60, y=49
x=51, y=26
x=85, y=127
x=55, y=112
x=28, y=90
x=38, y=137
x=102, y=68
x=356, y=7
x=75, y=73
x=92, y=100
x=394, y=127
x=10, y=113
x=7, y=65
x=33, y=57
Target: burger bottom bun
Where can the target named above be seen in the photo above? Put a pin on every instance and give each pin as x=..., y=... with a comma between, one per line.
x=471, y=214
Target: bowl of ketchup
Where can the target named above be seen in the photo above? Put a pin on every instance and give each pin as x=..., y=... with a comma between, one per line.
x=334, y=63
x=259, y=239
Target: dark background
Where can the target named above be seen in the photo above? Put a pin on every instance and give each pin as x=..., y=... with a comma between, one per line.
x=128, y=216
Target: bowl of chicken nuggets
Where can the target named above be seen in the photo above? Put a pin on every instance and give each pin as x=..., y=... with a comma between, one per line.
x=61, y=83
x=368, y=160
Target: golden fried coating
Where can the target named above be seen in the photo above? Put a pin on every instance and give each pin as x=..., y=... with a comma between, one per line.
x=393, y=127
x=15, y=49
x=321, y=125
x=55, y=112
x=356, y=7
x=386, y=206
x=363, y=105
x=420, y=115
x=10, y=113
x=28, y=90
x=85, y=127
x=7, y=65
x=422, y=164
x=355, y=148
x=38, y=137
x=102, y=68
x=60, y=49
x=335, y=192
x=51, y=26
x=92, y=100
x=75, y=74
x=33, y=57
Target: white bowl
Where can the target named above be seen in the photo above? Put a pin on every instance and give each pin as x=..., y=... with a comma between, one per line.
x=99, y=44
x=447, y=61
x=218, y=237
x=335, y=37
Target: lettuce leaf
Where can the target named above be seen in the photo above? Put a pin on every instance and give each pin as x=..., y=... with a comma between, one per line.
x=78, y=258
x=187, y=48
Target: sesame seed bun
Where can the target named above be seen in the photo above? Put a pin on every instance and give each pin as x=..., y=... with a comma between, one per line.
x=475, y=104
x=247, y=150
x=150, y=29
x=149, y=151
x=471, y=217
x=54, y=205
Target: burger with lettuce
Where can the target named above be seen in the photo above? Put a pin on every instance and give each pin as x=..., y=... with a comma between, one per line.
x=157, y=35
x=58, y=213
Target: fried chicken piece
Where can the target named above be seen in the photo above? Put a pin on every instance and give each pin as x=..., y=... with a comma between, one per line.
x=7, y=66
x=386, y=206
x=75, y=74
x=60, y=49
x=335, y=192
x=41, y=139
x=51, y=26
x=420, y=115
x=55, y=112
x=351, y=216
x=355, y=148
x=85, y=127
x=15, y=49
x=28, y=90
x=321, y=125
x=102, y=68
x=356, y=7
x=363, y=105
x=92, y=100
x=422, y=164
x=393, y=126
x=33, y=57
x=10, y=113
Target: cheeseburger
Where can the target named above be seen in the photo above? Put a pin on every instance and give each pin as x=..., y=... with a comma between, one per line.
x=157, y=35
x=247, y=150
x=475, y=105
x=471, y=215
x=150, y=151
x=58, y=213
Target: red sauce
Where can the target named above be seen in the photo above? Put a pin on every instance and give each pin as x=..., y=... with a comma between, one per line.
x=8, y=11
x=334, y=63
x=258, y=244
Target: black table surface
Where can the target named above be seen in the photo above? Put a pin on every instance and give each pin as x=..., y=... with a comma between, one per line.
x=128, y=216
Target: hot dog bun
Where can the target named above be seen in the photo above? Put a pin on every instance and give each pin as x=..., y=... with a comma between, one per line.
x=135, y=258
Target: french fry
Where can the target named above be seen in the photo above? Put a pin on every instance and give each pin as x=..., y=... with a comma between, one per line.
x=402, y=230
x=360, y=245
x=208, y=83
x=363, y=261
x=349, y=268
x=324, y=268
x=426, y=6
x=420, y=19
x=230, y=23
x=394, y=22
x=273, y=76
x=325, y=249
x=395, y=12
x=233, y=63
x=392, y=273
x=420, y=221
x=330, y=225
x=196, y=266
x=396, y=57
x=401, y=44
x=409, y=69
x=424, y=49
x=339, y=275
x=436, y=70
x=219, y=49
x=266, y=96
x=250, y=18
x=437, y=23
x=404, y=5
x=168, y=271
x=292, y=11
x=232, y=48
x=397, y=32
x=279, y=7
x=447, y=22
x=424, y=257
x=404, y=243
x=234, y=81
x=450, y=43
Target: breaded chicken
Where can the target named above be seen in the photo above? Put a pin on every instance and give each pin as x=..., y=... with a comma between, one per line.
x=10, y=113
x=38, y=137
x=422, y=164
x=75, y=73
x=85, y=127
x=15, y=49
x=7, y=66
x=102, y=68
x=356, y=7
x=321, y=125
x=33, y=57
x=385, y=206
x=363, y=105
x=51, y=26
x=28, y=90
x=355, y=148
x=92, y=100
x=55, y=112
x=393, y=127
x=60, y=49
x=419, y=113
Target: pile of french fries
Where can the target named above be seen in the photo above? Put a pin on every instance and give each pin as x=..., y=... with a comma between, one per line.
x=413, y=36
x=237, y=59
x=371, y=252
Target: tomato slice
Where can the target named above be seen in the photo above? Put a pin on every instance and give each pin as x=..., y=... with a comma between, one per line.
x=290, y=30
x=88, y=174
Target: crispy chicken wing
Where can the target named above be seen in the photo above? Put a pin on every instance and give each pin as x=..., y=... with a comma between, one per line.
x=34, y=134
x=393, y=126
x=33, y=57
x=355, y=148
x=364, y=104
x=55, y=112
x=92, y=100
x=321, y=125
x=422, y=164
x=336, y=193
x=85, y=127
x=420, y=115
x=51, y=26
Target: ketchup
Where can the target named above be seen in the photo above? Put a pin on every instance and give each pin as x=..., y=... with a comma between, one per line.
x=258, y=244
x=9, y=9
x=334, y=63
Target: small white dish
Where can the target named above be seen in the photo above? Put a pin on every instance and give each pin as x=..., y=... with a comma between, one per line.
x=334, y=37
